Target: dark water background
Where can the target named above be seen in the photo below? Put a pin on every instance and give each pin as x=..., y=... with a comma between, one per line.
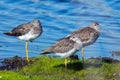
x=59, y=18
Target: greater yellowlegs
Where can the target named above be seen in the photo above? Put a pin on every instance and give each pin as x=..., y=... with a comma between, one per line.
x=64, y=48
x=27, y=32
x=87, y=35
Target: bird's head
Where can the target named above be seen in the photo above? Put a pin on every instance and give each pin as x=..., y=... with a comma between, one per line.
x=36, y=22
x=95, y=26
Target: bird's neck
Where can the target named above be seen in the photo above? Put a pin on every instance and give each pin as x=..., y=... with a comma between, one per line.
x=38, y=26
x=96, y=28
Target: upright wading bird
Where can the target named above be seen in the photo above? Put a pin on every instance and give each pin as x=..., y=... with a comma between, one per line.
x=87, y=35
x=64, y=48
x=27, y=32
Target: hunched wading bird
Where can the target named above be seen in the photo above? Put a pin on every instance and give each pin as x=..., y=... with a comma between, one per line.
x=87, y=35
x=64, y=48
x=27, y=32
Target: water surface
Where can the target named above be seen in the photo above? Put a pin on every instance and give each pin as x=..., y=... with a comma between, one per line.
x=59, y=18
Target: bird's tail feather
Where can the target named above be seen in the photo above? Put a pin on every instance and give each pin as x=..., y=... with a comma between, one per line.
x=8, y=33
x=44, y=52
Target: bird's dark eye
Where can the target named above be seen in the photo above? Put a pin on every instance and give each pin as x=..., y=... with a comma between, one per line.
x=96, y=24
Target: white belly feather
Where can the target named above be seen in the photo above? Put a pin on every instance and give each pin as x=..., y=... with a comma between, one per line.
x=29, y=36
x=67, y=54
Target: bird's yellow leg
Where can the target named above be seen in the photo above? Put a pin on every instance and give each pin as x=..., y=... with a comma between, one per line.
x=83, y=55
x=65, y=62
x=27, y=51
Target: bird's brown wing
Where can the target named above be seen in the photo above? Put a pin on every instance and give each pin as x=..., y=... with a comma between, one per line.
x=62, y=46
x=85, y=34
x=22, y=29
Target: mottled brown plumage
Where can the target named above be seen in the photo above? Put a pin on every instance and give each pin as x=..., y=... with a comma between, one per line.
x=22, y=29
x=87, y=35
x=62, y=46
x=25, y=28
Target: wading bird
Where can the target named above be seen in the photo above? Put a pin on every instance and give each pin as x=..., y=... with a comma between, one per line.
x=87, y=35
x=27, y=32
x=64, y=48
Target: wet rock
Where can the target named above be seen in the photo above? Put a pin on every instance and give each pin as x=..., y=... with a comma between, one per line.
x=106, y=59
x=115, y=53
x=14, y=63
x=74, y=57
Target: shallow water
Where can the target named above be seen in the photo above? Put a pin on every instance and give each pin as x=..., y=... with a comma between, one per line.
x=59, y=18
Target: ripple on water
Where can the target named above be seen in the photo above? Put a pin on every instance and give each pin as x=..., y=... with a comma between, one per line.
x=59, y=18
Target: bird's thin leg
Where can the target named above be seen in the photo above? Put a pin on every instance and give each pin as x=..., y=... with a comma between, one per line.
x=83, y=55
x=65, y=62
x=26, y=46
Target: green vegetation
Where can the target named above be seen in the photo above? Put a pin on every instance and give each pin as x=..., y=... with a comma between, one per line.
x=47, y=68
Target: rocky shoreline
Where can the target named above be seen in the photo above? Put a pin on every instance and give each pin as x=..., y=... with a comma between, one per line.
x=13, y=63
x=16, y=62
